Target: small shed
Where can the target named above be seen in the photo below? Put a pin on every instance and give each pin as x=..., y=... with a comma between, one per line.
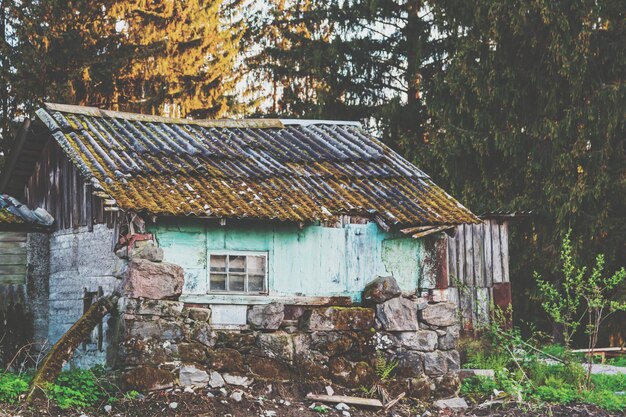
x=297, y=212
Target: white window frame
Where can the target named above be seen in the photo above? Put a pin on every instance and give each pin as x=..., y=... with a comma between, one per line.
x=227, y=273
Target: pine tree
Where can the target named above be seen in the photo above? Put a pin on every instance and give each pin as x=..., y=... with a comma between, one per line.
x=529, y=114
x=181, y=57
x=353, y=60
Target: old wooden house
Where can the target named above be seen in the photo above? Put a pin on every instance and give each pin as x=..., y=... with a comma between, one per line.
x=298, y=212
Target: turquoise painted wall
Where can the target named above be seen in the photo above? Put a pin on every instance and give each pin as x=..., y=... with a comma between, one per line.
x=312, y=261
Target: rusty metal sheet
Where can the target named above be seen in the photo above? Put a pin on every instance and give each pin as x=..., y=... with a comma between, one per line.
x=259, y=169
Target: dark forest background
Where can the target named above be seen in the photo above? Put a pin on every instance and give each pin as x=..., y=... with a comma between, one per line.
x=510, y=105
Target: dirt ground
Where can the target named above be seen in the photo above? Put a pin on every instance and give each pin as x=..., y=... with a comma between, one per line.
x=277, y=400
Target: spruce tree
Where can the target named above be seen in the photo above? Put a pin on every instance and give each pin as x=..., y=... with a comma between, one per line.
x=530, y=114
x=181, y=57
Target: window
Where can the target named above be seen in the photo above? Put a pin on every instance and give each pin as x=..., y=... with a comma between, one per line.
x=238, y=272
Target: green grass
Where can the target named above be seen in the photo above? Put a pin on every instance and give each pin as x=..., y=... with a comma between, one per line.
x=618, y=361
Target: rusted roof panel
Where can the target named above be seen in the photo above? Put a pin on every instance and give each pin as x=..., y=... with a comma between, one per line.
x=248, y=169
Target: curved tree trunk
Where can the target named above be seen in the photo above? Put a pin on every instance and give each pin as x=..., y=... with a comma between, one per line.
x=64, y=349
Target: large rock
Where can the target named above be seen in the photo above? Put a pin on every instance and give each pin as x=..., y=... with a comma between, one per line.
x=225, y=359
x=398, y=314
x=381, y=290
x=447, y=385
x=189, y=375
x=448, y=339
x=337, y=318
x=442, y=314
x=149, y=252
x=332, y=343
x=422, y=340
x=268, y=316
x=277, y=345
x=410, y=363
x=454, y=404
x=270, y=369
x=158, y=281
x=349, y=374
x=146, y=379
x=145, y=307
x=435, y=363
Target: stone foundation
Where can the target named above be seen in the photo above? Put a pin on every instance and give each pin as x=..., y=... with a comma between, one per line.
x=164, y=343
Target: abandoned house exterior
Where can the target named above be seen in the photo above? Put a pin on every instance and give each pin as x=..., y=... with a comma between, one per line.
x=252, y=247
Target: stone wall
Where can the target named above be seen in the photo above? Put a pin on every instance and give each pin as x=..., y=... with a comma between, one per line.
x=80, y=261
x=164, y=342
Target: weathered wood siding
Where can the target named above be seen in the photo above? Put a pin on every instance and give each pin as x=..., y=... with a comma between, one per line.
x=13, y=257
x=57, y=186
x=478, y=260
x=312, y=261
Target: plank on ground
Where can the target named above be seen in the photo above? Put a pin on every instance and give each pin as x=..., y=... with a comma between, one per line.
x=369, y=402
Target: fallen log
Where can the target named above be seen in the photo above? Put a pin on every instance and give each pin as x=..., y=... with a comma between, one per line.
x=368, y=402
x=64, y=349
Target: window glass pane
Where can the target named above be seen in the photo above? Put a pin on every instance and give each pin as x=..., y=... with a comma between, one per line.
x=256, y=265
x=256, y=283
x=236, y=282
x=236, y=263
x=218, y=263
x=218, y=282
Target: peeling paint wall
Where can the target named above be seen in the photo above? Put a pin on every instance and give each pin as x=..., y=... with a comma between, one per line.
x=312, y=261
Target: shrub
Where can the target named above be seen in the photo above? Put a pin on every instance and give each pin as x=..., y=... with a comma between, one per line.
x=12, y=386
x=556, y=391
x=480, y=360
x=79, y=388
x=478, y=386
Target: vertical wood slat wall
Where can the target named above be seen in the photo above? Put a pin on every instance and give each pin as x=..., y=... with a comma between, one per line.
x=478, y=258
x=57, y=186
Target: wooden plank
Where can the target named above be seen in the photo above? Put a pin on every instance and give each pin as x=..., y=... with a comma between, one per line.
x=368, y=402
x=488, y=255
x=469, y=256
x=89, y=206
x=13, y=259
x=12, y=279
x=477, y=244
x=452, y=261
x=465, y=303
x=504, y=242
x=12, y=269
x=483, y=302
x=12, y=236
x=460, y=247
x=75, y=200
x=10, y=248
x=497, y=253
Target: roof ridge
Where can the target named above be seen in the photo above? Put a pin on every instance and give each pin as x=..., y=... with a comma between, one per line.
x=220, y=123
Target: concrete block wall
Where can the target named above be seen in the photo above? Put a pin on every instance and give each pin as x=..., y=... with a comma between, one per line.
x=80, y=260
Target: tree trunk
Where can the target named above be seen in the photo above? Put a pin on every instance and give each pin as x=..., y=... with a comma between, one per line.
x=63, y=350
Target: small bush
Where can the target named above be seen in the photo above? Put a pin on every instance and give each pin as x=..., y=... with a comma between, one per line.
x=607, y=400
x=612, y=383
x=556, y=391
x=618, y=361
x=478, y=386
x=79, y=388
x=12, y=386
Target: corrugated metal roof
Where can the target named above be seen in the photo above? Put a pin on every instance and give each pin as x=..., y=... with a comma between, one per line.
x=248, y=168
x=12, y=212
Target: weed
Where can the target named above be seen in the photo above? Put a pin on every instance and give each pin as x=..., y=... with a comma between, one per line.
x=12, y=386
